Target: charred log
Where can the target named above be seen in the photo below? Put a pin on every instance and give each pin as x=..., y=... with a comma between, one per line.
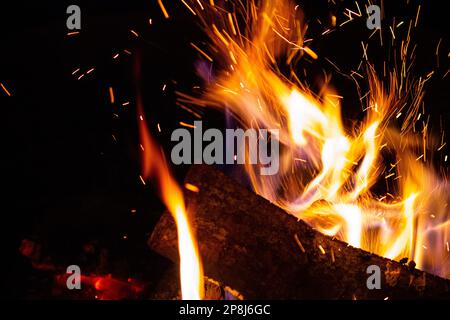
x=264, y=253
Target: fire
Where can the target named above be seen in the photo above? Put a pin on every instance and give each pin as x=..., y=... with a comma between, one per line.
x=154, y=165
x=330, y=175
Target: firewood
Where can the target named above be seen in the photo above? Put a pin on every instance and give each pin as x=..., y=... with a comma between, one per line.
x=259, y=250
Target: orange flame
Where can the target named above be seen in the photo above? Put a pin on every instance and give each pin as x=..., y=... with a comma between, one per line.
x=327, y=172
x=154, y=165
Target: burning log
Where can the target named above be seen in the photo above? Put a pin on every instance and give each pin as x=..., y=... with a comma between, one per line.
x=264, y=253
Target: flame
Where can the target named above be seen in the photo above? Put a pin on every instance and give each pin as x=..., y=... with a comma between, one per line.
x=155, y=165
x=328, y=172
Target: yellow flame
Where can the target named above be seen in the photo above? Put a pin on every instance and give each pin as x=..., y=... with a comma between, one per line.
x=154, y=165
x=327, y=171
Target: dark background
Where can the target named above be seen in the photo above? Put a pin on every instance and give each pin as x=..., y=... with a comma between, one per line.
x=67, y=180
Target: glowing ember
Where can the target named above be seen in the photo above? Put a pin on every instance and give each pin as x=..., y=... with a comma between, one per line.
x=328, y=172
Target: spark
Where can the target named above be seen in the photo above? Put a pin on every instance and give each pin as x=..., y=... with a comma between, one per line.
x=184, y=124
x=142, y=180
x=346, y=21
x=392, y=31
x=163, y=9
x=190, y=9
x=333, y=21
x=230, y=20
x=364, y=50
x=417, y=16
x=6, y=90
x=200, y=4
x=299, y=243
x=326, y=32
x=73, y=33
x=191, y=187
x=350, y=12
x=195, y=114
x=446, y=73
x=337, y=68
x=134, y=33
x=359, y=75
x=311, y=53
x=233, y=57
x=219, y=35
x=437, y=47
x=321, y=249
x=111, y=95
x=202, y=52
x=373, y=32
x=335, y=96
x=443, y=145
x=287, y=40
x=359, y=10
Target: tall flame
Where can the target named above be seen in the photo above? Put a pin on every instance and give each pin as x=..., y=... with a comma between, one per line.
x=155, y=165
x=327, y=172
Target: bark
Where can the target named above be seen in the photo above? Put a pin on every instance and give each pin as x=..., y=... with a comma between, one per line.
x=259, y=250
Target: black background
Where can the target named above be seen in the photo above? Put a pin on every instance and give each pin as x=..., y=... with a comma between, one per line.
x=66, y=180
